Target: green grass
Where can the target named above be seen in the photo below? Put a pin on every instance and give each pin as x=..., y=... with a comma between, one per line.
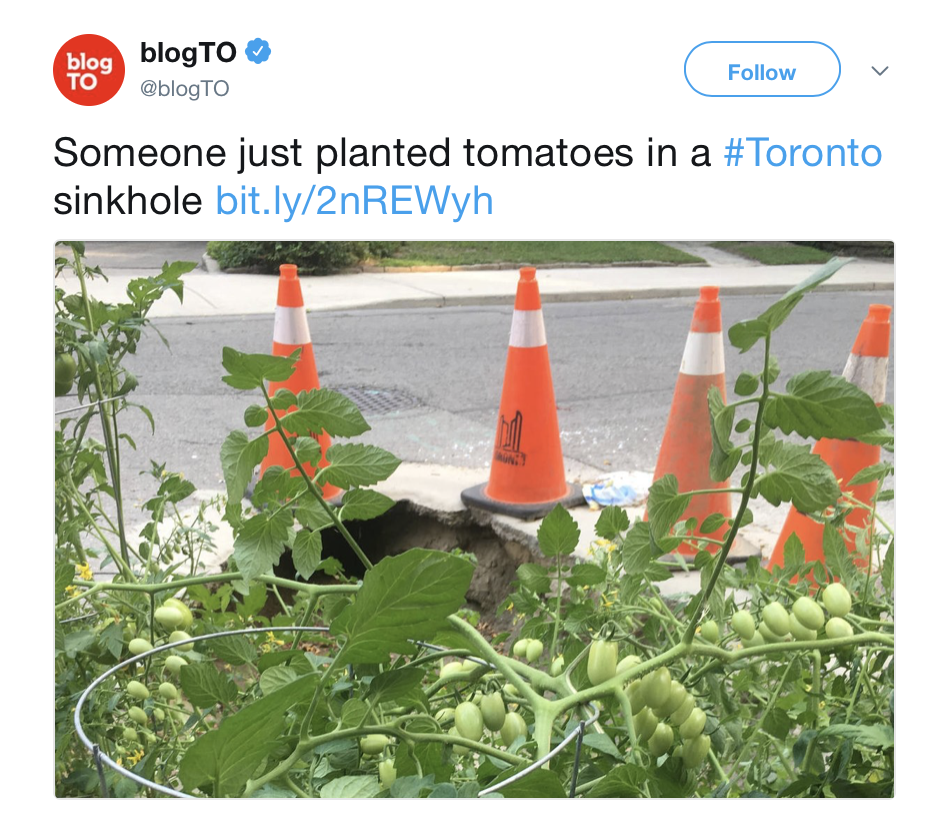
x=774, y=253
x=464, y=253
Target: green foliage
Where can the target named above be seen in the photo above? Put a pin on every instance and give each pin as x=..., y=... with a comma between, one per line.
x=322, y=714
x=311, y=257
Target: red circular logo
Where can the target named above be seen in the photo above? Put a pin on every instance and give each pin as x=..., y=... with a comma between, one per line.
x=89, y=69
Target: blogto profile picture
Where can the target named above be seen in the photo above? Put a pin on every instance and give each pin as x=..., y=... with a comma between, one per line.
x=89, y=69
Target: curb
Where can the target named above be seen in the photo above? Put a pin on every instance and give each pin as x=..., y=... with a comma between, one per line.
x=440, y=302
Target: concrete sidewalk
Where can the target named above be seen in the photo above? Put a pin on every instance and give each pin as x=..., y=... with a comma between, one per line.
x=209, y=294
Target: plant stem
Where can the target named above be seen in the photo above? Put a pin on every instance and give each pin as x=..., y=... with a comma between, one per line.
x=689, y=635
x=111, y=444
x=314, y=490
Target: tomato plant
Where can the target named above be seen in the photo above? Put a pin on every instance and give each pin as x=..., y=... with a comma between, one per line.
x=362, y=705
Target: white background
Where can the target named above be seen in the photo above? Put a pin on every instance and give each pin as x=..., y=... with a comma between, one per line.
x=591, y=73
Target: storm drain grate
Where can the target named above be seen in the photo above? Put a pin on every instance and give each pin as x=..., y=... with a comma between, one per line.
x=376, y=401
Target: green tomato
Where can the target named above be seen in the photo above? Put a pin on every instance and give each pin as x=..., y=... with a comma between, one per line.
x=174, y=663
x=176, y=637
x=838, y=628
x=521, y=647
x=139, y=646
x=513, y=727
x=534, y=651
x=138, y=715
x=65, y=374
x=176, y=603
x=445, y=714
x=493, y=711
x=837, y=600
x=159, y=715
x=168, y=691
x=130, y=735
x=601, y=663
x=509, y=690
x=757, y=640
x=137, y=690
x=677, y=695
x=777, y=619
x=799, y=631
x=469, y=721
x=743, y=624
x=470, y=666
x=636, y=701
x=387, y=773
x=627, y=663
x=450, y=671
x=694, y=725
x=168, y=617
x=684, y=711
x=695, y=750
x=656, y=687
x=644, y=723
x=809, y=614
x=768, y=636
x=661, y=740
x=557, y=666
x=373, y=744
x=710, y=631
x=460, y=750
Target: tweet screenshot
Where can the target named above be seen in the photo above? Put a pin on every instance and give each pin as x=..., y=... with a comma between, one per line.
x=477, y=401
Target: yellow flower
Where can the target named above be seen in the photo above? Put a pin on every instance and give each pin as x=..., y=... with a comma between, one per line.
x=73, y=591
x=84, y=571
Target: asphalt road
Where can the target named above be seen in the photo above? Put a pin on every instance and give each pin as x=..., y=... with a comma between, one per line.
x=433, y=377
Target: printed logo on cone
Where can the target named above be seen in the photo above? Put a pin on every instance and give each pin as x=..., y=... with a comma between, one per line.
x=88, y=69
x=527, y=472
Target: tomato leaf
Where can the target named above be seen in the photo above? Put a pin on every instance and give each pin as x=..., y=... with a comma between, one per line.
x=404, y=597
x=239, y=457
x=665, y=506
x=364, y=504
x=228, y=757
x=872, y=736
x=724, y=456
x=351, y=787
x=205, y=686
x=534, y=578
x=622, y=782
x=796, y=475
x=391, y=685
x=558, y=534
x=261, y=542
x=818, y=404
x=251, y=371
x=356, y=465
x=613, y=522
x=539, y=784
x=306, y=552
x=325, y=411
x=745, y=334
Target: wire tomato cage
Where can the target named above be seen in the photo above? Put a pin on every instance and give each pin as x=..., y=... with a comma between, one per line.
x=102, y=759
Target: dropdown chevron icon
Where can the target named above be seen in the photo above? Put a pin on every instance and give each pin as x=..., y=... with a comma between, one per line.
x=880, y=72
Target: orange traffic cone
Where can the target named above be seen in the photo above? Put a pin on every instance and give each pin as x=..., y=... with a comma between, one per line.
x=686, y=444
x=867, y=368
x=291, y=333
x=527, y=473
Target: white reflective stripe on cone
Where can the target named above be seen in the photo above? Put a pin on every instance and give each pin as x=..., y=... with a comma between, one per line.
x=291, y=326
x=704, y=354
x=527, y=329
x=869, y=373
